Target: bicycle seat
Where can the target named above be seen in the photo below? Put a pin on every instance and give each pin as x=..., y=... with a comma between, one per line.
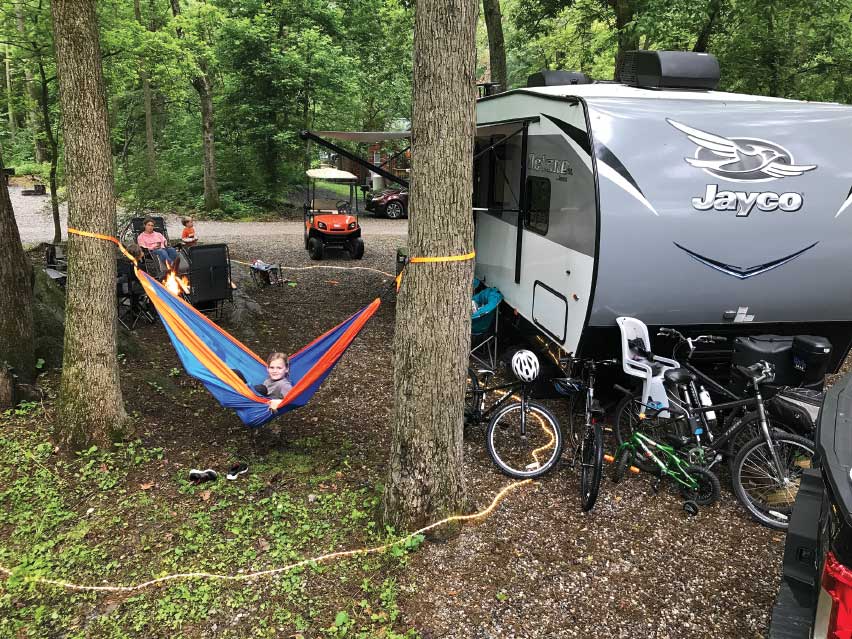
x=679, y=376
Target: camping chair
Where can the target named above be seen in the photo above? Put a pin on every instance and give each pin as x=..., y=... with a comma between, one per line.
x=133, y=303
x=651, y=371
x=483, y=327
x=130, y=233
x=210, y=277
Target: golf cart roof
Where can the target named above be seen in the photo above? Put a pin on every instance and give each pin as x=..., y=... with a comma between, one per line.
x=328, y=173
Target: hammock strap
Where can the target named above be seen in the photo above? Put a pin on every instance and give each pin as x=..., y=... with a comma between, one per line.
x=431, y=260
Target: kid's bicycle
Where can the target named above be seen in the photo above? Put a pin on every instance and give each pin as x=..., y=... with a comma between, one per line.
x=699, y=486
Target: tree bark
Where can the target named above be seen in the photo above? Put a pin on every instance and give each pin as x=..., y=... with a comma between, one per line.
x=426, y=476
x=13, y=126
x=32, y=115
x=91, y=409
x=204, y=86
x=628, y=39
x=496, y=47
x=54, y=151
x=150, y=151
x=16, y=293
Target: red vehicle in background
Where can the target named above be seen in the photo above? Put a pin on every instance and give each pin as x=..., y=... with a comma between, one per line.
x=332, y=227
x=392, y=203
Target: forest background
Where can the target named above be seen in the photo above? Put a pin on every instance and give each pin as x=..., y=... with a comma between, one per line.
x=206, y=99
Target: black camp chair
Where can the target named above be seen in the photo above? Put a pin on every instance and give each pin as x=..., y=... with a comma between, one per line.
x=133, y=304
x=210, y=277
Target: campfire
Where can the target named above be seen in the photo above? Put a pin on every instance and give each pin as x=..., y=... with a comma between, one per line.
x=174, y=283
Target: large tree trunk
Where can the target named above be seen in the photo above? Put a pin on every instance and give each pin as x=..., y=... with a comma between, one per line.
x=496, y=48
x=54, y=151
x=426, y=475
x=150, y=152
x=90, y=407
x=211, y=189
x=16, y=294
x=628, y=39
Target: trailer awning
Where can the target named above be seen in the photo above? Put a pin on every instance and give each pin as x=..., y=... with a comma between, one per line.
x=364, y=136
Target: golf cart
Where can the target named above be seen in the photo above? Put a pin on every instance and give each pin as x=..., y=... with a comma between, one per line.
x=336, y=227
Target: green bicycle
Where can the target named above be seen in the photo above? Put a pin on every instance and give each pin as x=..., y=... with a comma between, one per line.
x=699, y=486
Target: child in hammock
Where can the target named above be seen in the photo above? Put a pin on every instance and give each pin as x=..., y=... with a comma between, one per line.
x=278, y=384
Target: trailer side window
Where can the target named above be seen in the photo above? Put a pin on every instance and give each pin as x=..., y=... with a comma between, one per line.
x=538, y=204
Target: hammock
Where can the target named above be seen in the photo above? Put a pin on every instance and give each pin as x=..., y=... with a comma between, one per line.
x=209, y=354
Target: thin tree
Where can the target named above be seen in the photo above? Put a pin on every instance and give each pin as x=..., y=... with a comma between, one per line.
x=47, y=128
x=150, y=151
x=203, y=84
x=496, y=45
x=32, y=89
x=426, y=478
x=90, y=403
x=16, y=293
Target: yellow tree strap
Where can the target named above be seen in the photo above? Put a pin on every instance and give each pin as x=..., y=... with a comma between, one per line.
x=108, y=238
x=425, y=260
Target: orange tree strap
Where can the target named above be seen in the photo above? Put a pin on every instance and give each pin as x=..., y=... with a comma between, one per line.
x=429, y=260
x=100, y=236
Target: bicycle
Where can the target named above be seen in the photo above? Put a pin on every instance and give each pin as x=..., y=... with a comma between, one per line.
x=519, y=451
x=767, y=469
x=699, y=486
x=589, y=447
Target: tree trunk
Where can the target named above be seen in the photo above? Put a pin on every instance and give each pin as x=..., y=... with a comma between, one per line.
x=32, y=115
x=91, y=409
x=204, y=86
x=54, y=151
x=150, y=152
x=704, y=35
x=13, y=126
x=628, y=39
x=16, y=293
x=496, y=47
x=426, y=476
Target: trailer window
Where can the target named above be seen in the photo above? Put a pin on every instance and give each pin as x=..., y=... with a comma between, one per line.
x=537, y=204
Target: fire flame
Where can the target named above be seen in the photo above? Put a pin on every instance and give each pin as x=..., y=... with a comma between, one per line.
x=174, y=283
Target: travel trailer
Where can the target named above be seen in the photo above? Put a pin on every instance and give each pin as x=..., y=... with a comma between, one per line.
x=662, y=199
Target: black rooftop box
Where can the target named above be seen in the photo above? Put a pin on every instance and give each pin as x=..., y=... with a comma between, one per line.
x=548, y=78
x=669, y=69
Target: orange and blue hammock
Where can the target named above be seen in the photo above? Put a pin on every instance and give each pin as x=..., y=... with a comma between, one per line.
x=209, y=354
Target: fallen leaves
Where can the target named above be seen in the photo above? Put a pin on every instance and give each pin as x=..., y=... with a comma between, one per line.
x=148, y=485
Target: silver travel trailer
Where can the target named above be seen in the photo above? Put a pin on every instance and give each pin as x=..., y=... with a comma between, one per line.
x=683, y=207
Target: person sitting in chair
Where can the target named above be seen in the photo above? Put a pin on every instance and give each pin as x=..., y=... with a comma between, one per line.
x=156, y=242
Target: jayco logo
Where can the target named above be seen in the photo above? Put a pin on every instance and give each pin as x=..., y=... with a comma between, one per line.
x=550, y=165
x=743, y=202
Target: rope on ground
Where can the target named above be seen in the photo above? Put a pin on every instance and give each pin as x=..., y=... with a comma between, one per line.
x=308, y=268
x=249, y=576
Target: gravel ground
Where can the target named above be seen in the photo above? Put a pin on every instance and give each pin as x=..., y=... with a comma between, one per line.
x=637, y=566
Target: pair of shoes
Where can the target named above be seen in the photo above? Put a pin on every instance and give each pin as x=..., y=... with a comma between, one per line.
x=236, y=470
x=200, y=476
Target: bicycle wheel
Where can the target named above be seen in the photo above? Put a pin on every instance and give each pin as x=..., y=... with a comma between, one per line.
x=524, y=455
x=627, y=422
x=751, y=430
x=767, y=497
x=708, y=489
x=623, y=459
x=591, y=465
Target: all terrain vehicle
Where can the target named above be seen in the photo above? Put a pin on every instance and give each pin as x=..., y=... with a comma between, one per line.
x=332, y=228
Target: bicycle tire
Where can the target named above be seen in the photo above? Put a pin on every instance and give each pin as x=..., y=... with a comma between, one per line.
x=499, y=428
x=750, y=431
x=626, y=422
x=622, y=461
x=708, y=490
x=773, y=507
x=472, y=398
x=591, y=466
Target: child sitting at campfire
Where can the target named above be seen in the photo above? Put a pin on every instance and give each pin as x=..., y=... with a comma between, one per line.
x=188, y=236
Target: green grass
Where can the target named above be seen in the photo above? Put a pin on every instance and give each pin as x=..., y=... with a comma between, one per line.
x=125, y=515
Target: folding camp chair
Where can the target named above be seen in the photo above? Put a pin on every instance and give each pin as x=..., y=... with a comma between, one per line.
x=130, y=233
x=133, y=304
x=210, y=277
x=483, y=327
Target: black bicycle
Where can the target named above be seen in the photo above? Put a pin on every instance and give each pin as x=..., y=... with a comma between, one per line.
x=523, y=437
x=766, y=470
x=589, y=445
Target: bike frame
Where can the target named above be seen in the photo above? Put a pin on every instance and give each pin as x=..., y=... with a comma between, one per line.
x=648, y=445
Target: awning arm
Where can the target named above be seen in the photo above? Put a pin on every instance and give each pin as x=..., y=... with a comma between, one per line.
x=308, y=135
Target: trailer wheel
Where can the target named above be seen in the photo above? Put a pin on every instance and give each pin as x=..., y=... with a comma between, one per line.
x=356, y=248
x=315, y=248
